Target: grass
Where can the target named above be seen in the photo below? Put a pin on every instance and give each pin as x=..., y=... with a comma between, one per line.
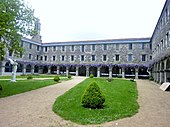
x=12, y=88
x=121, y=101
x=25, y=76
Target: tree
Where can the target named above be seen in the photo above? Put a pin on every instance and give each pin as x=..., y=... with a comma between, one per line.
x=16, y=20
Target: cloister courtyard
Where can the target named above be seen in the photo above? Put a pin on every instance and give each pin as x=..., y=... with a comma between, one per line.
x=34, y=108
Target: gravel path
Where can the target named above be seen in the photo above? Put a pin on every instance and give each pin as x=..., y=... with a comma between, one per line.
x=33, y=109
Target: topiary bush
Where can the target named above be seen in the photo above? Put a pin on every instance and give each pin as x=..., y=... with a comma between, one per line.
x=151, y=78
x=93, y=97
x=91, y=75
x=56, y=78
x=29, y=77
x=109, y=79
x=69, y=76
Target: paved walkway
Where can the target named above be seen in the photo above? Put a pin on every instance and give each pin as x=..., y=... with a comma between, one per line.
x=33, y=109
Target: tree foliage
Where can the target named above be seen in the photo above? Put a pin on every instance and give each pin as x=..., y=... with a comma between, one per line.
x=16, y=20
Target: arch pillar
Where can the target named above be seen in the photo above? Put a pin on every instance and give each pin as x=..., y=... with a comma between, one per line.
x=87, y=71
x=136, y=72
x=110, y=72
x=165, y=72
x=160, y=73
x=77, y=71
x=32, y=69
x=24, y=69
x=98, y=71
x=58, y=70
x=2, y=68
x=67, y=71
x=123, y=72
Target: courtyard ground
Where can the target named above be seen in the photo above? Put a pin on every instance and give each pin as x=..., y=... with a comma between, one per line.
x=34, y=108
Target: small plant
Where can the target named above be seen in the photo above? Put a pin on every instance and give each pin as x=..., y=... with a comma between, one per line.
x=56, y=78
x=151, y=78
x=29, y=77
x=69, y=76
x=91, y=75
x=109, y=79
x=132, y=79
x=92, y=97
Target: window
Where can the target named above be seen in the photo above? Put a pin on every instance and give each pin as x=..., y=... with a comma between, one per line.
x=166, y=14
x=38, y=48
x=41, y=58
x=117, y=46
x=41, y=48
x=72, y=48
x=37, y=57
x=150, y=46
x=30, y=46
x=72, y=57
x=63, y=48
x=104, y=47
x=82, y=48
x=82, y=57
x=93, y=47
x=62, y=58
x=129, y=57
x=30, y=56
x=150, y=57
x=167, y=39
x=53, y=58
x=46, y=48
x=143, y=46
x=54, y=48
x=93, y=58
x=143, y=57
x=130, y=46
x=162, y=45
x=10, y=53
x=117, y=58
x=45, y=58
x=104, y=57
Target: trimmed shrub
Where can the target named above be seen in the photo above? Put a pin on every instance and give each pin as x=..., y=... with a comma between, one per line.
x=132, y=79
x=151, y=78
x=29, y=77
x=69, y=76
x=91, y=75
x=109, y=79
x=56, y=78
x=92, y=97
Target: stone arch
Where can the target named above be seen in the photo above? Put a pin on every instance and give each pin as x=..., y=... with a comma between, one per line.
x=8, y=67
x=28, y=68
x=72, y=70
x=19, y=67
x=115, y=71
x=168, y=64
x=93, y=70
x=142, y=73
x=54, y=69
x=82, y=71
x=45, y=69
x=104, y=71
x=36, y=69
x=62, y=69
x=130, y=72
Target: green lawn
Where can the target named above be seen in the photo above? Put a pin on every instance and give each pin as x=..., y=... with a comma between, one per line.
x=121, y=101
x=34, y=76
x=12, y=88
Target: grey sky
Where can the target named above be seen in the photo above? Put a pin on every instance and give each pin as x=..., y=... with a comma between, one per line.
x=69, y=20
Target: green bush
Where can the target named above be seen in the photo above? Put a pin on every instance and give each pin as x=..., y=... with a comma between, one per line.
x=151, y=78
x=91, y=75
x=29, y=77
x=109, y=79
x=56, y=78
x=92, y=97
x=69, y=76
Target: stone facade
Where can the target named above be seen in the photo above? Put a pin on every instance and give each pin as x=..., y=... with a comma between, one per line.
x=160, y=65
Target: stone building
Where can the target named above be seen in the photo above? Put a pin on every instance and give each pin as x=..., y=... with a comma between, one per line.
x=130, y=57
x=160, y=66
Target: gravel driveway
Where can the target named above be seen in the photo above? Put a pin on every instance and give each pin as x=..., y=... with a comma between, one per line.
x=34, y=108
